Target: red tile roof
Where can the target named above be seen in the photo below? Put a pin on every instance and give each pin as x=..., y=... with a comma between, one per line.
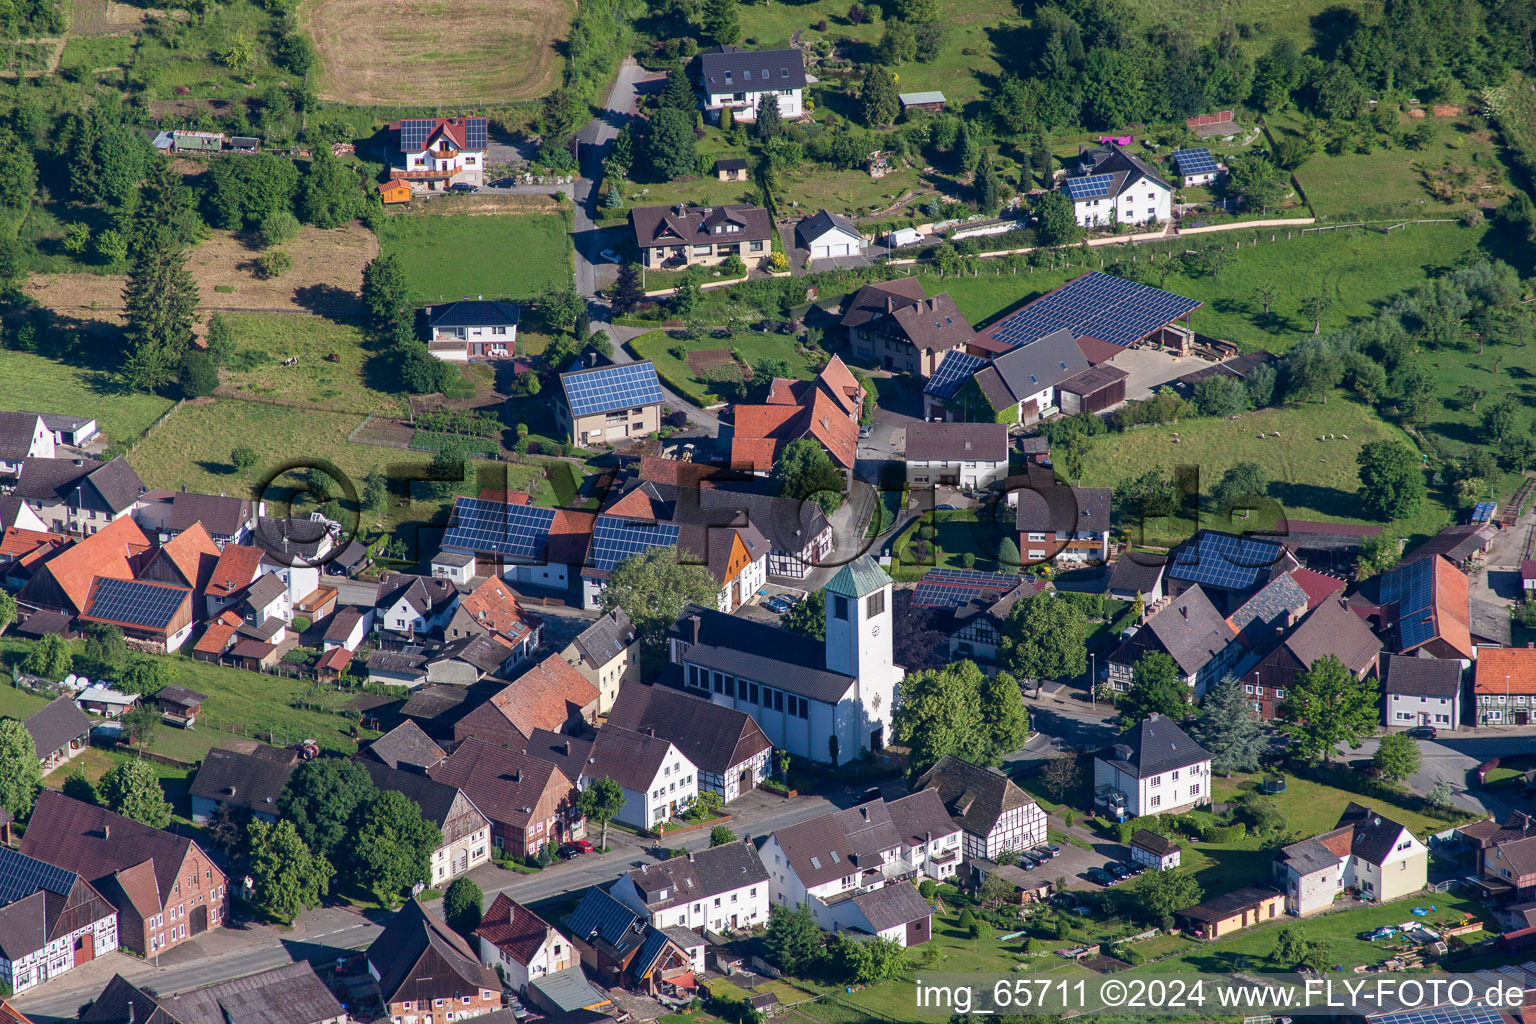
x=216, y=638
x=194, y=554
x=1505, y=670
x=27, y=546
x=1452, y=610
x=1096, y=351
x=514, y=929
x=544, y=697
x=236, y=568
x=827, y=411
x=109, y=552
x=506, y=497
x=1317, y=585
x=569, y=536
x=495, y=607
x=335, y=660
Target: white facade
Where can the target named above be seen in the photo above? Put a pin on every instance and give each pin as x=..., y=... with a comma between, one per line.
x=1145, y=202
x=673, y=790
x=555, y=953
x=58, y=956
x=40, y=447
x=1177, y=789
x=402, y=617
x=1159, y=862
x=460, y=344
x=859, y=645
x=555, y=575
x=1021, y=828
x=834, y=242
x=955, y=473
x=453, y=859
x=744, y=103
x=1409, y=710
x=449, y=565
x=721, y=912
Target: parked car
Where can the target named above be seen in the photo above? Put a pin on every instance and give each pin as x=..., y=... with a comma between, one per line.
x=1134, y=868
x=1100, y=876
x=609, y=255
x=1120, y=871
x=463, y=186
x=1043, y=852
x=864, y=432
x=504, y=183
x=574, y=848
x=1053, y=848
x=518, y=1009
x=1424, y=732
x=1027, y=862
x=946, y=507
x=581, y=844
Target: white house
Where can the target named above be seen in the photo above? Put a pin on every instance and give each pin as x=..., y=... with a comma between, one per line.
x=828, y=236
x=966, y=455
x=1422, y=691
x=413, y=604
x=472, y=329
x=1152, y=768
x=1367, y=853
x=294, y=549
x=824, y=700
x=842, y=858
x=658, y=780
x=75, y=431
x=23, y=435
x=722, y=889
x=456, y=566
x=51, y=920
x=730, y=77
x=438, y=152
x=1195, y=166
x=993, y=813
x=521, y=943
x=1114, y=187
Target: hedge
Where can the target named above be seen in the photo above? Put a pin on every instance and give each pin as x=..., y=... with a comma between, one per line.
x=423, y=440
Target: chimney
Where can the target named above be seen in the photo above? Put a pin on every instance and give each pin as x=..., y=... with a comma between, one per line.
x=1184, y=610
x=650, y=730
x=517, y=775
x=695, y=622
x=566, y=748
x=890, y=304
x=183, y=487
x=690, y=856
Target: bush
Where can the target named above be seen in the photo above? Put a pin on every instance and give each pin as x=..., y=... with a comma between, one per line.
x=1217, y=833
x=278, y=228
x=198, y=375
x=927, y=889
x=273, y=263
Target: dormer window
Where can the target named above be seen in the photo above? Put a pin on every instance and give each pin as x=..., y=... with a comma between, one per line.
x=783, y=72
x=727, y=78
x=765, y=74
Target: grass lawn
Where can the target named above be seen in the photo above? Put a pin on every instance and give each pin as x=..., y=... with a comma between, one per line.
x=514, y=257
x=958, y=534
x=1311, y=479
x=44, y=385
x=18, y=703
x=748, y=346
x=266, y=339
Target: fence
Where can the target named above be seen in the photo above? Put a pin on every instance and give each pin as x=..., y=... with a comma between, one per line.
x=154, y=426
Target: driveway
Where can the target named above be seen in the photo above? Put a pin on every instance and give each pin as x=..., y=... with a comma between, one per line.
x=1453, y=759
x=1151, y=368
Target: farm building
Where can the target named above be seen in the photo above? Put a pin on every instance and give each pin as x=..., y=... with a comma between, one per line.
x=931, y=101
x=1093, y=390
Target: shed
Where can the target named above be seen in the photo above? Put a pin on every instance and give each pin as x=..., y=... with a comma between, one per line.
x=932, y=101
x=734, y=169
x=396, y=191
x=1528, y=575
x=244, y=144
x=179, y=705
x=1220, y=916
x=1093, y=390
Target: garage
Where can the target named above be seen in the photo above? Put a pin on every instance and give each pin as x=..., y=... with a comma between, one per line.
x=827, y=236
x=827, y=250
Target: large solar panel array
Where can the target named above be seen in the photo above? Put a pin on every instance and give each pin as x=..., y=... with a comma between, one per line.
x=414, y=132
x=1091, y=186
x=615, y=539
x=21, y=876
x=140, y=604
x=1194, y=161
x=613, y=387
x=1412, y=589
x=474, y=133
x=1444, y=1015
x=518, y=531
x=953, y=371
x=1096, y=305
x=1223, y=560
x=951, y=588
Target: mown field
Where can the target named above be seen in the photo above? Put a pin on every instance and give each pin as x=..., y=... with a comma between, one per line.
x=498, y=257
x=354, y=380
x=1310, y=479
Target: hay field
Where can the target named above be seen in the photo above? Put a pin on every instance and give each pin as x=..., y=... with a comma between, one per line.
x=437, y=51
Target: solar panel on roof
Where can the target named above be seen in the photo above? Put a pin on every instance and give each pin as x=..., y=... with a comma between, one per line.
x=475, y=133
x=1194, y=161
x=1090, y=186
x=21, y=876
x=1444, y=1015
x=1225, y=561
x=1411, y=589
x=1096, y=305
x=613, y=387
x=615, y=539
x=136, y=603
x=518, y=531
x=414, y=132
x=951, y=588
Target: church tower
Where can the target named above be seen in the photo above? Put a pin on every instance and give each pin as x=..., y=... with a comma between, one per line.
x=859, y=626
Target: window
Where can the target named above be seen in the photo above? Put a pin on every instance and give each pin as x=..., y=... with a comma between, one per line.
x=840, y=608
x=1157, y=780
x=1175, y=775
x=1194, y=790
x=874, y=604
x=1157, y=801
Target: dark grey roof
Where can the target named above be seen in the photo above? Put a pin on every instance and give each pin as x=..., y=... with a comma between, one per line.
x=1191, y=630
x=424, y=593
x=266, y=588
x=1307, y=856
x=180, y=696
x=714, y=737
x=434, y=700
x=353, y=554
x=57, y=421
x=686, y=938
x=340, y=628
x=1457, y=542
x=957, y=442
x=599, y=917
x=481, y=651
x=760, y=652
x=1093, y=380
x=892, y=905
x=1219, y=907
x=407, y=745
x=121, y=1002
x=828, y=846
x=1375, y=835
x=1131, y=576
x=1332, y=628
x=902, y=308
x=102, y=486
x=632, y=759
x=786, y=524
x=397, y=661
x=689, y=225
x=54, y=724
x=474, y=313
x=1280, y=598
x=302, y=538
x=241, y=780
x=1421, y=677
x=732, y=69
x=606, y=638
x=701, y=874
x=1041, y=364
x=1064, y=508
x=820, y=223
x=291, y=994
x=975, y=796
x=1113, y=159
x=571, y=992
x=16, y=432
x=221, y=515
x=1159, y=846
x=434, y=798
x=1153, y=746
x=731, y=164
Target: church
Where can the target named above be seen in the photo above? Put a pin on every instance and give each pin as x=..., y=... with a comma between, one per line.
x=826, y=701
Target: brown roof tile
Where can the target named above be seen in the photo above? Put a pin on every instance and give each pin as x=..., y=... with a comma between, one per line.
x=110, y=552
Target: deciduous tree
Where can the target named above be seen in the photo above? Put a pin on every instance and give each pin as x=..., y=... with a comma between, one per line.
x=1045, y=638
x=49, y=658
x=21, y=776
x=463, y=905
x=1391, y=480
x=804, y=471
x=1397, y=757
x=1158, y=687
x=1325, y=706
x=653, y=586
x=808, y=617
x=601, y=802
x=288, y=877
x=133, y=790
x=392, y=844
x=321, y=798
x=1158, y=894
